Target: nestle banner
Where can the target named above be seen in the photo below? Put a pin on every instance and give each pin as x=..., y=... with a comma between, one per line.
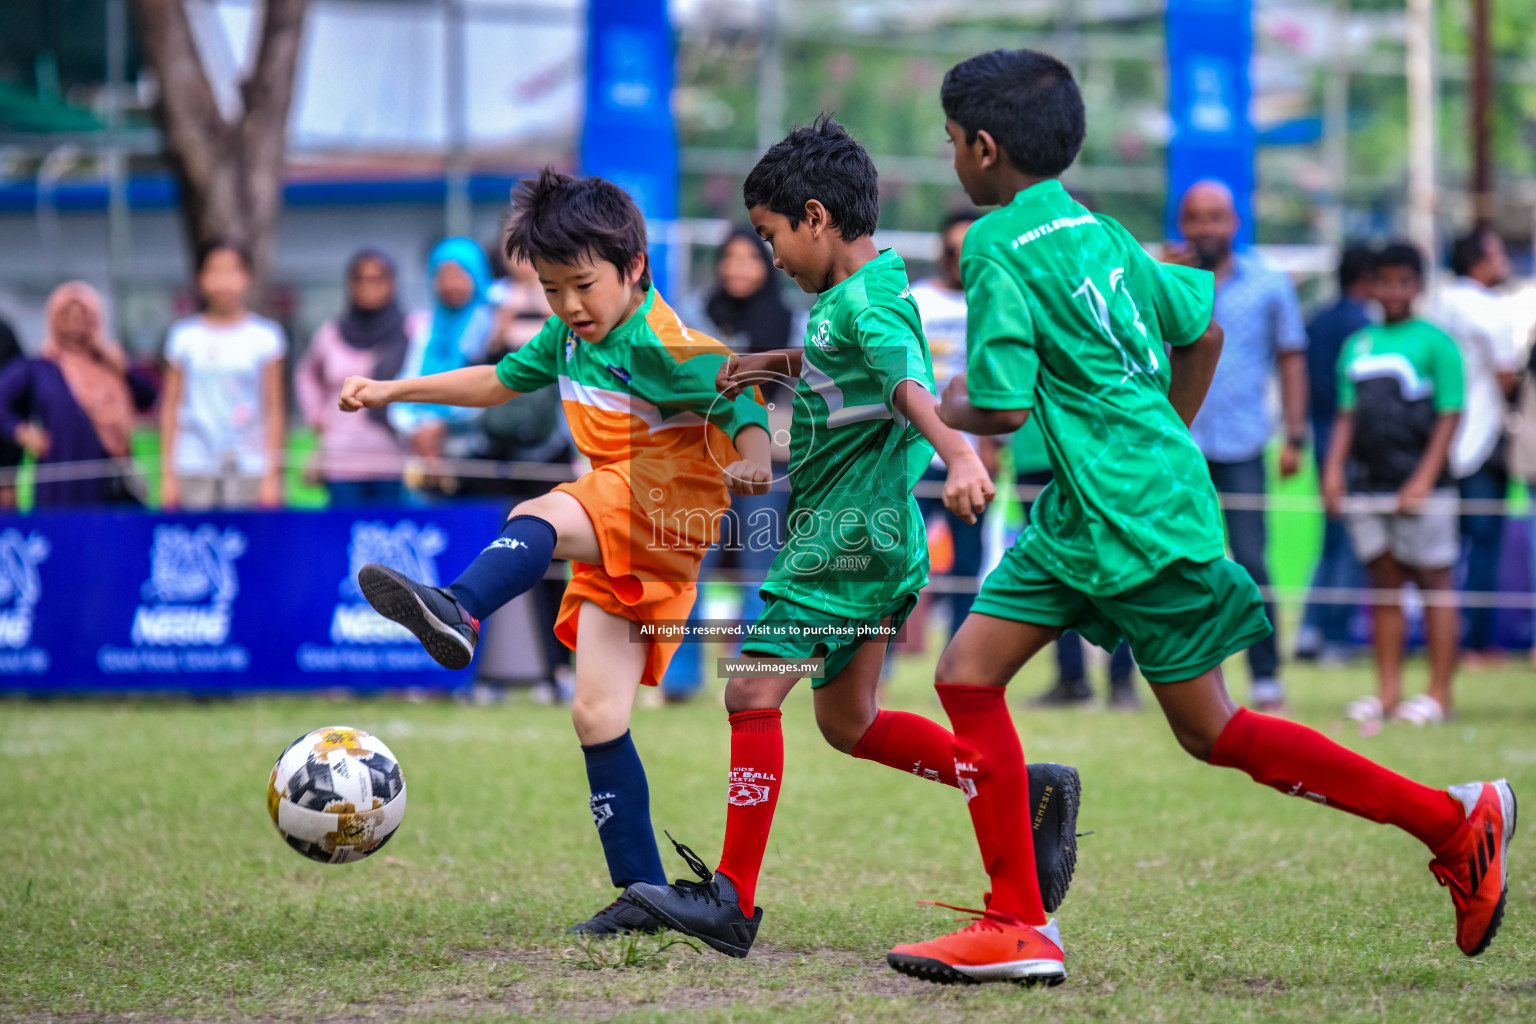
x=219, y=603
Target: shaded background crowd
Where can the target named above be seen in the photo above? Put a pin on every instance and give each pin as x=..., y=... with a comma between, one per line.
x=234, y=415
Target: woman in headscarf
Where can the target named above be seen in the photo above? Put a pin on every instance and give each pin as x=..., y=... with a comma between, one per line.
x=456, y=335
x=75, y=403
x=360, y=456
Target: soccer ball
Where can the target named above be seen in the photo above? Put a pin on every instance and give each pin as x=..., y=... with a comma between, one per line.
x=336, y=795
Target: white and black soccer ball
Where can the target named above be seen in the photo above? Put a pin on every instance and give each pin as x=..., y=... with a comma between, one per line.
x=336, y=794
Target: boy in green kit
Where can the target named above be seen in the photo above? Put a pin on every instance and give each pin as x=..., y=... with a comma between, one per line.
x=865, y=428
x=1069, y=323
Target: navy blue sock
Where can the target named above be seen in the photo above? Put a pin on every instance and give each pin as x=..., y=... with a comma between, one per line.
x=621, y=809
x=509, y=565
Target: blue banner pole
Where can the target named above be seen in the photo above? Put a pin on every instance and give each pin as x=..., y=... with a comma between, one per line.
x=628, y=135
x=1210, y=46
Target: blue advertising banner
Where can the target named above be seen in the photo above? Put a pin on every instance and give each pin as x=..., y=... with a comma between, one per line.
x=628, y=135
x=100, y=602
x=1210, y=45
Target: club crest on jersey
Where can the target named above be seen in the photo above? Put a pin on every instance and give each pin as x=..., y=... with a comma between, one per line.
x=618, y=371
x=570, y=347
x=822, y=339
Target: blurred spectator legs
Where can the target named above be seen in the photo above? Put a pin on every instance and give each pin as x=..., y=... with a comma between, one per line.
x=229, y=488
x=965, y=539
x=1324, y=633
x=1482, y=540
x=1246, y=537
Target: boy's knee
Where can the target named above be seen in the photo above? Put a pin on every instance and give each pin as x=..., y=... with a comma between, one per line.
x=1197, y=744
x=595, y=717
x=748, y=695
x=842, y=733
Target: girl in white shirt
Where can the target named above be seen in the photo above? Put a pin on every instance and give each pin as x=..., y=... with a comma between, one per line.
x=222, y=413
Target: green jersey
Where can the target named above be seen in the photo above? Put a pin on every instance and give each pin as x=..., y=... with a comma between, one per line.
x=854, y=540
x=1068, y=318
x=1398, y=379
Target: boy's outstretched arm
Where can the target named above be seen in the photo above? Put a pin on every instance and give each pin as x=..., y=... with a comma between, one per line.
x=476, y=387
x=739, y=373
x=957, y=412
x=968, y=489
x=1192, y=366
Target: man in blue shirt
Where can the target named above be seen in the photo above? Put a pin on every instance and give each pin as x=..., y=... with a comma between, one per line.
x=1325, y=625
x=1257, y=307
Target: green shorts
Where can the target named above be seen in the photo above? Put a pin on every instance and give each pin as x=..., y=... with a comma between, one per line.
x=838, y=641
x=1187, y=619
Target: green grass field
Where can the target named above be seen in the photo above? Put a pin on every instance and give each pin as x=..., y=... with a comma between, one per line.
x=141, y=879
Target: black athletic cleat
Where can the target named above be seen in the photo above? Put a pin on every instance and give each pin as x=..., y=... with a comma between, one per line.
x=707, y=909
x=1054, y=793
x=444, y=627
x=617, y=918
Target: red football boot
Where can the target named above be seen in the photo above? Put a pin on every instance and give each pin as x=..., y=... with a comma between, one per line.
x=994, y=947
x=1474, y=865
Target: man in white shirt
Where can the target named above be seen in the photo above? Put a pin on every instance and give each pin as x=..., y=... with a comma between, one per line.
x=1469, y=310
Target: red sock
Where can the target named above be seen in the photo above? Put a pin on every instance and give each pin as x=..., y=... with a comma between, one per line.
x=757, y=761
x=910, y=743
x=989, y=765
x=1299, y=761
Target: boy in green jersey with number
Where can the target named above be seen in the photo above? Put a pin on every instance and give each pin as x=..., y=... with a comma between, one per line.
x=1068, y=325
x=865, y=427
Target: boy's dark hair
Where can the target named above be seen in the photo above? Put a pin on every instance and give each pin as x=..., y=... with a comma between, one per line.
x=1401, y=254
x=207, y=249
x=1468, y=251
x=559, y=218
x=1355, y=262
x=1026, y=100
x=820, y=161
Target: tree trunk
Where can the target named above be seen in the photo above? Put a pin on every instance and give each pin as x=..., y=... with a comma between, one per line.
x=230, y=172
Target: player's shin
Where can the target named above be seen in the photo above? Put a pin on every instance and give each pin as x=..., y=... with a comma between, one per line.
x=990, y=769
x=509, y=565
x=909, y=743
x=757, y=764
x=1299, y=761
x=621, y=810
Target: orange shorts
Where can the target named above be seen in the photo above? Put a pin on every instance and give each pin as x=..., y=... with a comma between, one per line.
x=637, y=581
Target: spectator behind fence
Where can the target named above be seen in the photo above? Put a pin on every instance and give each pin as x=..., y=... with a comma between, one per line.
x=1324, y=630
x=222, y=420
x=1257, y=307
x=1472, y=313
x=455, y=335
x=1400, y=397
x=10, y=451
x=76, y=403
x=941, y=304
x=360, y=457
x=744, y=309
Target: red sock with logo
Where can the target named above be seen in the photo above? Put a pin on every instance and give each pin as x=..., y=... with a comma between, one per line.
x=910, y=743
x=1299, y=761
x=757, y=762
x=990, y=771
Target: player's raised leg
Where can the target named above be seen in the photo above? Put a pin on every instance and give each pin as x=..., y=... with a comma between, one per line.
x=447, y=619
x=608, y=671
x=1011, y=939
x=1467, y=827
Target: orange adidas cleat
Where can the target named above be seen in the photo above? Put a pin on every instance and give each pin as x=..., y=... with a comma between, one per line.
x=994, y=947
x=1474, y=864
